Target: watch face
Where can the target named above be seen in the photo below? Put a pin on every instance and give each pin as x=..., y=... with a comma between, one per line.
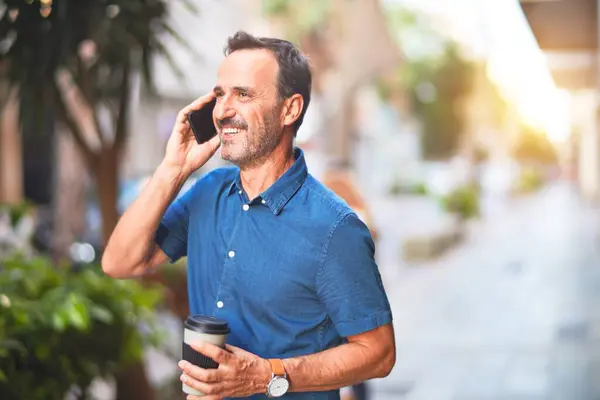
x=278, y=387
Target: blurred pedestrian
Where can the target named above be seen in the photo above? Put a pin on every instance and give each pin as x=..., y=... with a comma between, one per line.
x=355, y=392
x=269, y=249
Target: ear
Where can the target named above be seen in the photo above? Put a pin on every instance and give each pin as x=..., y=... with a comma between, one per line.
x=292, y=108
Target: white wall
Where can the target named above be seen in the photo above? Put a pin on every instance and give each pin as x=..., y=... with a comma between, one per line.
x=585, y=105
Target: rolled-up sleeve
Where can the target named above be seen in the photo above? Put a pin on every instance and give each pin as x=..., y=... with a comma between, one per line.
x=349, y=282
x=172, y=233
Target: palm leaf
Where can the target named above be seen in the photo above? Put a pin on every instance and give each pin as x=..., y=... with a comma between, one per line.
x=43, y=45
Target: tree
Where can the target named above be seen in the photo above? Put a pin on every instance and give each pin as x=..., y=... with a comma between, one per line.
x=11, y=182
x=533, y=148
x=437, y=87
x=77, y=59
x=432, y=84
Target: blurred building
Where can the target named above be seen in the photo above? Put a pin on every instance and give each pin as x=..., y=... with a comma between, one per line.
x=567, y=32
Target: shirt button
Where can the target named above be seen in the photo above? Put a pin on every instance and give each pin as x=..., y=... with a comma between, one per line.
x=263, y=201
x=220, y=304
x=240, y=192
x=246, y=207
x=231, y=254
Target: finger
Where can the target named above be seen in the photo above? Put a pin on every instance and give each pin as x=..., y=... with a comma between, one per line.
x=195, y=105
x=218, y=354
x=201, y=374
x=206, y=388
x=201, y=101
x=192, y=397
x=236, y=350
x=182, y=126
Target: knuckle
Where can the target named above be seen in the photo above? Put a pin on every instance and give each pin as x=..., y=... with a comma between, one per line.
x=195, y=371
x=212, y=377
x=193, y=383
x=211, y=389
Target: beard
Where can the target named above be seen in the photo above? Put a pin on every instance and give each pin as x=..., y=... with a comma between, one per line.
x=251, y=147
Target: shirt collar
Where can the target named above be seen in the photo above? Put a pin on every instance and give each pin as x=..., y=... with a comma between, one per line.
x=280, y=192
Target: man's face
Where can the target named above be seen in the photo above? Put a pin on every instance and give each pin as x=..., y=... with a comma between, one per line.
x=248, y=110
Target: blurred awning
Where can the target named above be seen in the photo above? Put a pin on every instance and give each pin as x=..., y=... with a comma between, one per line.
x=567, y=31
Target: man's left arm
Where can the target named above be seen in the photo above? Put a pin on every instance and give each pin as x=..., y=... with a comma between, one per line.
x=366, y=356
x=349, y=286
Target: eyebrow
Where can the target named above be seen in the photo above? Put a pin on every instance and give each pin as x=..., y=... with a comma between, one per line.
x=235, y=89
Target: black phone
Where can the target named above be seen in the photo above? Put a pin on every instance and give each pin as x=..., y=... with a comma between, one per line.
x=201, y=122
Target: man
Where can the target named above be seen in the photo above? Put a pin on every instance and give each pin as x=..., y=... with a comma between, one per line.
x=270, y=250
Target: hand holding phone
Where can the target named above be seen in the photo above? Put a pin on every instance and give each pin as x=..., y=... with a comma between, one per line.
x=193, y=140
x=201, y=122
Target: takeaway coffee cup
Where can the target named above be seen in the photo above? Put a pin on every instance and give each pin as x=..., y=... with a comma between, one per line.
x=205, y=329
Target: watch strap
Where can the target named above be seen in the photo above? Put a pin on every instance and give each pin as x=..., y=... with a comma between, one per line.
x=277, y=366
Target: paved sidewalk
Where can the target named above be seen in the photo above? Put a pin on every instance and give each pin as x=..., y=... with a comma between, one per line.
x=514, y=313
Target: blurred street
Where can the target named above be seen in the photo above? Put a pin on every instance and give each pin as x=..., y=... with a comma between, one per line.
x=507, y=315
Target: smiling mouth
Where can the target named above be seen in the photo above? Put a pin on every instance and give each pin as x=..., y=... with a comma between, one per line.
x=230, y=131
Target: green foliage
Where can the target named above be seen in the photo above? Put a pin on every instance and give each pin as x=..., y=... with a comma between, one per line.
x=398, y=188
x=530, y=179
x=275, y=7
x=534, y=147
x=462, y=201
x=98, y=42
x=436, y=77
x=17, y=211
x=60, y=328
x=442, y=116
x=420, y=189
x=301, y=17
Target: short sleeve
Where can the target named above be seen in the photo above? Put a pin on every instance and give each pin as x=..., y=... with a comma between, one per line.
x=172, y=233
x=349, y=283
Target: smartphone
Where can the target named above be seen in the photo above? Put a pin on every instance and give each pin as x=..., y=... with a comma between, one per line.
x=201, y=122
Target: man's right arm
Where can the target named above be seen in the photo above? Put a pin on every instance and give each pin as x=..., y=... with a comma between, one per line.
x=132, y=250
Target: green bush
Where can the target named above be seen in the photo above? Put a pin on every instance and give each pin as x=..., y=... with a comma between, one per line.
x=397, y=188
x=529, y=180
x=420, y=189
x=463, y=201
x=16, y=211
x=61, y=329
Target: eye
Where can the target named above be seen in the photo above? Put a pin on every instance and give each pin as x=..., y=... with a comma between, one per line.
x=243, y=95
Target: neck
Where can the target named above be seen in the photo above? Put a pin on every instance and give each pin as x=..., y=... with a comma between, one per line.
x=258, y=178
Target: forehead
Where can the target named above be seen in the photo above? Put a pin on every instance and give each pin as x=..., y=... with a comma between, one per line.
x=255, y=68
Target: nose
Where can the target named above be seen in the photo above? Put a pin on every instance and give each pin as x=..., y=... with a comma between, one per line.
x=223, y=109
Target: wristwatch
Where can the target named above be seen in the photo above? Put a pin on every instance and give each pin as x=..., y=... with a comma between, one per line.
x=279, y=384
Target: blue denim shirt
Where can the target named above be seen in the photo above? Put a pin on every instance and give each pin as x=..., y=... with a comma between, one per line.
x=292, y=270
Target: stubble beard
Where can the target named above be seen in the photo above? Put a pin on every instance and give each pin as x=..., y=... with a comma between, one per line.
x=253, y=148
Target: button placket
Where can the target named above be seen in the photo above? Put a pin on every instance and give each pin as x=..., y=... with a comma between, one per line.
x=228, y=276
